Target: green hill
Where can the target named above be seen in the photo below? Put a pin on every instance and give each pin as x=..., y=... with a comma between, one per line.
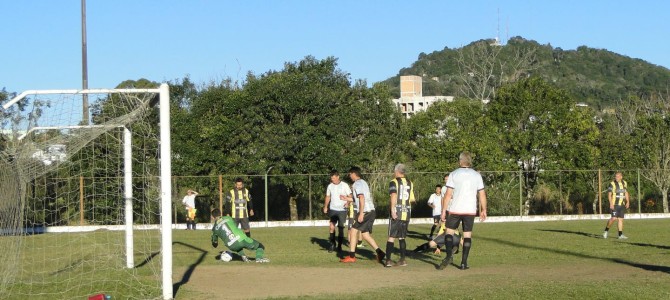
x=594, y=76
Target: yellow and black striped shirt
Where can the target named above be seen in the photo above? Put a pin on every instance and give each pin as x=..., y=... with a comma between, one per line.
x=618, y=190
x=405, y=191
x=238, y=201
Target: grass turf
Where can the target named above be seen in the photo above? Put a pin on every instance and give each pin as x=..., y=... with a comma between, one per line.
x=538, y=260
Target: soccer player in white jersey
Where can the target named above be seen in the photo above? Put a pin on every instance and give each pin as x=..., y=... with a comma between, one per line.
x=365, y=218
x=435, y=202
x=464, y=187
x=334, y=206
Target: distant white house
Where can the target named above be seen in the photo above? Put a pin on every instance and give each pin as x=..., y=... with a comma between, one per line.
x=53, y=153
x=411, y=98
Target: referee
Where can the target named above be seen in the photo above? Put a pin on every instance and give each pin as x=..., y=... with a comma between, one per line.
x=459, y=205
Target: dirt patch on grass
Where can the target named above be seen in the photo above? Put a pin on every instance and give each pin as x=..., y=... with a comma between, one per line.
x=244, y=281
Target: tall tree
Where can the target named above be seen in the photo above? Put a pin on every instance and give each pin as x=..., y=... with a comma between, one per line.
x=545, y=130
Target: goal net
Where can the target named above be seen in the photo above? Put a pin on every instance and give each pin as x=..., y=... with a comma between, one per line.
x=81, y=195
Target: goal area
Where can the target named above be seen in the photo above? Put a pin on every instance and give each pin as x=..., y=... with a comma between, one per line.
x=85, y=195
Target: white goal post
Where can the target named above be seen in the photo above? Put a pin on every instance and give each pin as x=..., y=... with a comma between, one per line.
x=164, y=167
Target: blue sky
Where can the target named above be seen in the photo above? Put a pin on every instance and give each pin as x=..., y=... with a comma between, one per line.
x=211, y=40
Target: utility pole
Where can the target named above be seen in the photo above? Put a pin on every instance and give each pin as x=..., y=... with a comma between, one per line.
x=84, y=64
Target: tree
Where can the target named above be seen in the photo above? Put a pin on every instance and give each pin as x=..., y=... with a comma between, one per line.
x=484, y=66
x=652, y=140
x=545, y=130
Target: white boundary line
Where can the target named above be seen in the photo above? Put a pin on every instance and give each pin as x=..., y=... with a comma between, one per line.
x=323, y=223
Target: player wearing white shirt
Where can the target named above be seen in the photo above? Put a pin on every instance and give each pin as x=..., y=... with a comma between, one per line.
x=464, y=187
x=335, y=206
x=189, y=204
x=435, y=202
x=364, y=220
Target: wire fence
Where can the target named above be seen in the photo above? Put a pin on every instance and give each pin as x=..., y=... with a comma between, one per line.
x=280, y=197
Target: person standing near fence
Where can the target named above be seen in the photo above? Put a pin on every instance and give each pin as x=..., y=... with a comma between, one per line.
x=459, y=205
x=435, y=202
x=365, y=218
x=334, y=206
x=401, y=192
x=189, y=204
x=617, y=194
x=241, y=207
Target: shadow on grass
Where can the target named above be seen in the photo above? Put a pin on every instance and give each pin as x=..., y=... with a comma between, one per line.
x=644, y=266
x=416, y=235
x=148, y=259
x=664, y=247
x=591, y=235
x=187, y=275
x=656, y=268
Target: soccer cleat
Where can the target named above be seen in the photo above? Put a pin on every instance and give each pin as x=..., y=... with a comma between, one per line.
x=262, y=260
x=464, y=267
x=388, y=263
x=331, y=248
x=245, y=259
x=623, y=237
x=445, y=262
x=402, y=263
x=605, y=234
x=360, y=245
x=348, y=259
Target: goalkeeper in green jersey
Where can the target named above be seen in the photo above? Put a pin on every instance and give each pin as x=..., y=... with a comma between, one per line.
x=234, y=238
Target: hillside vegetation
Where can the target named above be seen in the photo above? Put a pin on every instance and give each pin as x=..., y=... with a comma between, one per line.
x=594, y=76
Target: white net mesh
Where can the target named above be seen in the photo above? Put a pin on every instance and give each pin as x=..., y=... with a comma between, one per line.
x=62, y=198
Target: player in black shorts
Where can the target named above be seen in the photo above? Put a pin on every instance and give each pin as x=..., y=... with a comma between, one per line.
x=401, y=192
x=617, y=194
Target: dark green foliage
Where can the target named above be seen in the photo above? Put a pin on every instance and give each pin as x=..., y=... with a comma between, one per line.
x=594, y=76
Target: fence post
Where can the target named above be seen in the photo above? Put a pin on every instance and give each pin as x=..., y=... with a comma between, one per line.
x=81, y=200
x=639, y=195
x=560, y=191
x=520, y=193
x=600, y=193
x=266, y=195
x=309, y=194
x=221, y=194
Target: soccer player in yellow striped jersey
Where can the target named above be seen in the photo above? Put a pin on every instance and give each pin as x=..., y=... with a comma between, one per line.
x=617, y=194
x=401, y=192
x=241, y=207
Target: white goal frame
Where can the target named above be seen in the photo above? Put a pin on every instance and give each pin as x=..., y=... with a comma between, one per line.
x=165, y=173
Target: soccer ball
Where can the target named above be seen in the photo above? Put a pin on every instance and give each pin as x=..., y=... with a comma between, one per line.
x=225, y=256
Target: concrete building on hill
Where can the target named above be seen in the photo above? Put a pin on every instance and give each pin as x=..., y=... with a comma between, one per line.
x=411, y=98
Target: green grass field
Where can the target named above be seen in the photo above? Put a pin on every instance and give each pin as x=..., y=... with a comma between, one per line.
x=533, y=260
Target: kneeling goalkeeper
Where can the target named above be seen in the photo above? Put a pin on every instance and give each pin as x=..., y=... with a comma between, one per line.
x=234, y=238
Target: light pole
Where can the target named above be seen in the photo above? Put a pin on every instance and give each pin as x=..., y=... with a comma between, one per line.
x=266, y=194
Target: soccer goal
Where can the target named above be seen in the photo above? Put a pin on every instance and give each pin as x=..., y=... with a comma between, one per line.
x=85, y=197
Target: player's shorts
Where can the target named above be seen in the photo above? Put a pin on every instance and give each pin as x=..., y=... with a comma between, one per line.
x=337, y=217
x=398, y=228
x=368, y=221
x=242, y=223
x=619, y=211
x=190, y=213
x=454, y=220
x=436, y=219
x=350, y=222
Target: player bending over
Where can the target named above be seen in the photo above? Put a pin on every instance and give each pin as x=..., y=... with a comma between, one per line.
x=235, y=239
